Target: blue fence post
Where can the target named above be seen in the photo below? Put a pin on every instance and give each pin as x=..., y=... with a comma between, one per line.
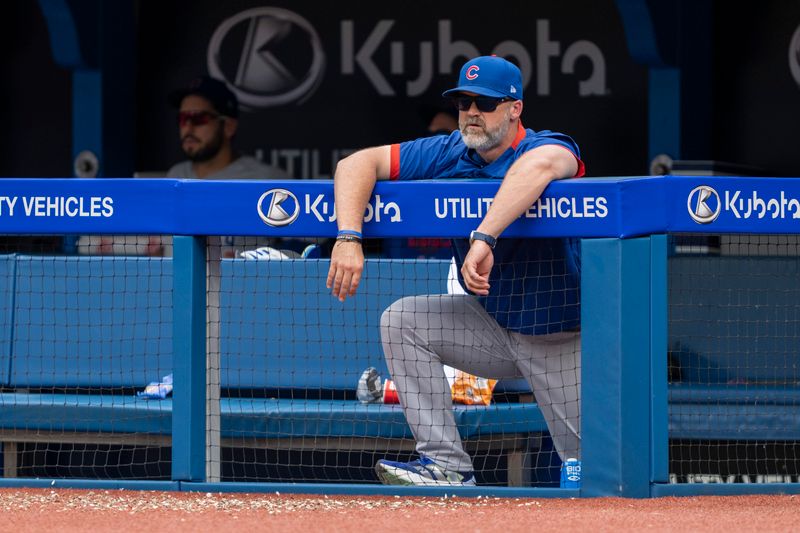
x=659, y=415
x=615, y=301
x=189, y=359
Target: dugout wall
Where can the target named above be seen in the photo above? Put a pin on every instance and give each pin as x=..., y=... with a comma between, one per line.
x=630, y=410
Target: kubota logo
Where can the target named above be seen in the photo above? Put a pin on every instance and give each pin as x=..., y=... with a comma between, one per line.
x=282, y=207
x=271, y=57
x=703, y=204
x=794, y=55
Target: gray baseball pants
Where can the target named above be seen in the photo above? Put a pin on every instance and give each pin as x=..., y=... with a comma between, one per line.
x=420, y=334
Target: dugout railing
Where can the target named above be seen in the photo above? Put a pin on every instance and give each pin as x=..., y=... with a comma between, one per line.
x=636, y=234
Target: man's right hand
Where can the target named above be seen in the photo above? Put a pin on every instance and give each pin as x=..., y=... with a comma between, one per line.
x=353, y=183
x=347, y=263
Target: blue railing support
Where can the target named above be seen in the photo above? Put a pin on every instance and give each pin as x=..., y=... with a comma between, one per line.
x=659, y=415
x=615, y=301
x=189, y=360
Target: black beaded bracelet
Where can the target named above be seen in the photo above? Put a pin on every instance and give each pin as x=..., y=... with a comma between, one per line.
x=348, y=238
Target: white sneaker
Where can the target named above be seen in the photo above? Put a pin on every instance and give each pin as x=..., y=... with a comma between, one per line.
x=423, y=471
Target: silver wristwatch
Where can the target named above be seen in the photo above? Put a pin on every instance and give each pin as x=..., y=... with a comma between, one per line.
x=485, y=237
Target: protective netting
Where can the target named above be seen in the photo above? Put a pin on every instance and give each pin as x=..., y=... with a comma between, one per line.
x=734, y=340
x=81, y=335
x=299, y=389
x=292, y=358
x=88, y=325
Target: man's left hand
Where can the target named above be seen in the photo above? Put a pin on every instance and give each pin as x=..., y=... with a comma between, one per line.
x=476, y=268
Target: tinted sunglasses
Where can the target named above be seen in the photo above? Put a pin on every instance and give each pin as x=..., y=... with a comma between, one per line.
x=197, y=118
x=485, y=104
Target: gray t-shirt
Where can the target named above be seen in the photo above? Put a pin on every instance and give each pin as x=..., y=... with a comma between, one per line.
x=244, y=168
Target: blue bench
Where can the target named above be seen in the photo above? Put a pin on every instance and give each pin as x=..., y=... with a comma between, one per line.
x=258, y=418
x=734, y=412
x=81, y=333
x=733, y=334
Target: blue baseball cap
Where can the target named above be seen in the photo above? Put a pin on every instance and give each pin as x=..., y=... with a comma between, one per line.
x=489, y=76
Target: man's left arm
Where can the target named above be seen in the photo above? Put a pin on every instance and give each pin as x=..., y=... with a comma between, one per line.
x=523, y=184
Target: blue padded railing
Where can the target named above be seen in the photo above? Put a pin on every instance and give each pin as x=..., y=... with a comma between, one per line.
x=622, y=222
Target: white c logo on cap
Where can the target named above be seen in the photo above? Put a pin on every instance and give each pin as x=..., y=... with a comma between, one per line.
x=472, y=72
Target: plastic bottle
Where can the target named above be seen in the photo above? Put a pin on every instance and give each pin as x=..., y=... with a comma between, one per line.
x=571, y=474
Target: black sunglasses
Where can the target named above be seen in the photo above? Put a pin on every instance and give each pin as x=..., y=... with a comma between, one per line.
x=485, y=104
x=197, y=118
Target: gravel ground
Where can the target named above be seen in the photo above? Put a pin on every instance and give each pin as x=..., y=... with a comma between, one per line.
x=67, y=510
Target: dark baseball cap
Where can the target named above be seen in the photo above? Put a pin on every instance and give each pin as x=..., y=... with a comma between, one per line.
x=489, y=76
x=213, y=90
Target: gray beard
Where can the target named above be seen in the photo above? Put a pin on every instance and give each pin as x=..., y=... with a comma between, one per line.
x=487, y=139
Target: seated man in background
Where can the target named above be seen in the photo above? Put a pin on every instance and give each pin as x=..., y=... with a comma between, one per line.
x=441, y=120
x=208, y=116
x=207, y=122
